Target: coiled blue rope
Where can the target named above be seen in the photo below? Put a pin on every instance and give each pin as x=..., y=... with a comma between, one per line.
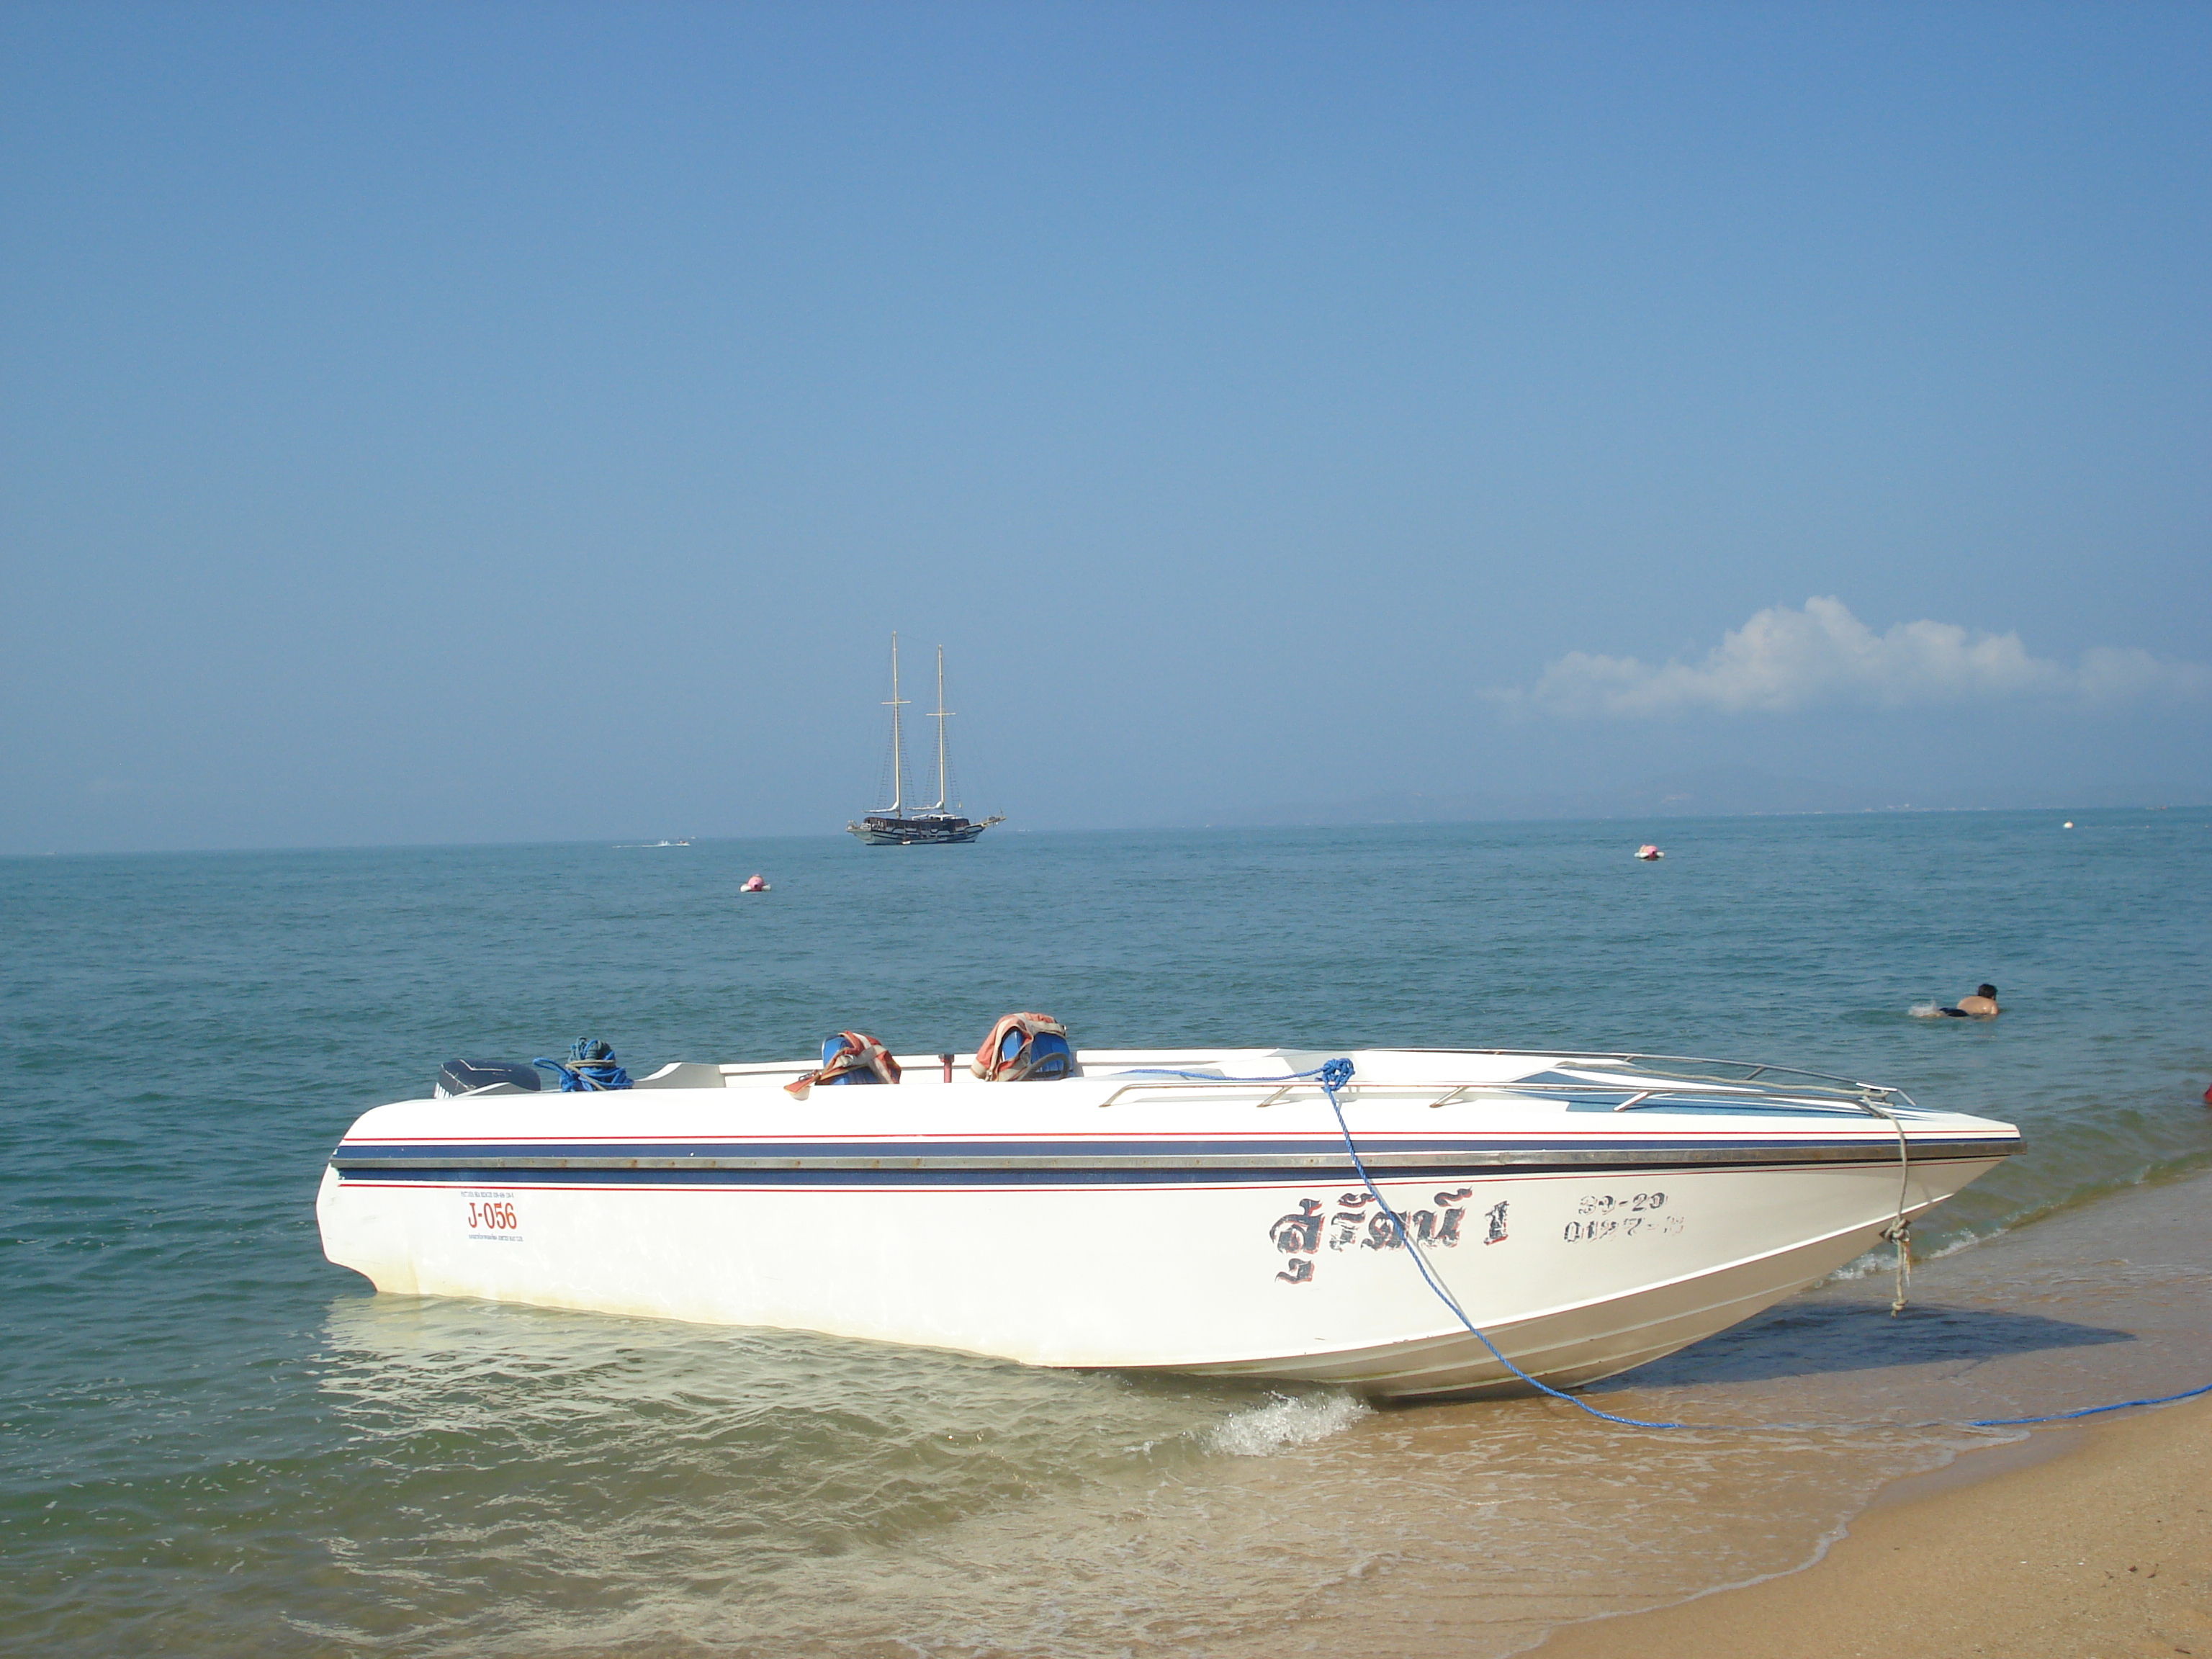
x=1333, y=1074
x=591, y=1066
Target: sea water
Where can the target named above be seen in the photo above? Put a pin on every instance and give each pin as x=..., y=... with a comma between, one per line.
x=211, y=1439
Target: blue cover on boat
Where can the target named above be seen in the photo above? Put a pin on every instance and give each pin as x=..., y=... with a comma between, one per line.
x=1049, y=1055
x=1024, y=1046
x=850, y=1057
x=833, y=1047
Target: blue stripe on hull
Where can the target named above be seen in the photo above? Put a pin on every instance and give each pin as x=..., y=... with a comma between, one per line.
x=1306, y=1146
x=740, y=1180
x=495, y=1174
x=904, y=1149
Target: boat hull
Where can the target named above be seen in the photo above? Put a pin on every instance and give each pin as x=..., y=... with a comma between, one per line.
x=1144, y=1245
x=921, y=836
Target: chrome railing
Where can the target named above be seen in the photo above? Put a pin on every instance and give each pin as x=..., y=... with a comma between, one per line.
x=1740, y=1080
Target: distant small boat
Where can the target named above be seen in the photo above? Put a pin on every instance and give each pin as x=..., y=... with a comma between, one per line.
x=755, y=885
x=1648, y=853
x=933, y=825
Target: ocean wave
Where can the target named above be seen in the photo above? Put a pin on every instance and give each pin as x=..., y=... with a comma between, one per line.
x=1287, y=1420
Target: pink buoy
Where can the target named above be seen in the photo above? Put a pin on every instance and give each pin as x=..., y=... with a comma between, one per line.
x=1648, y=852
x=755, y=884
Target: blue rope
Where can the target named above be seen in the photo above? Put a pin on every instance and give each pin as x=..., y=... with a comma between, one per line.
x=2086, y=1411
x=591, y=1066
x=1333, y=1074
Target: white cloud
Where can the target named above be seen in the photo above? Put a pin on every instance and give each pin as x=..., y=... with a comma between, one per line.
x=1822, y=656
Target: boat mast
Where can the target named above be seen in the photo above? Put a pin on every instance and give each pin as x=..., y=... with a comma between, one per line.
x=898, y=737
x=942, y=715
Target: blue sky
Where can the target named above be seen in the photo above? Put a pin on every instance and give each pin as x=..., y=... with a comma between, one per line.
x=452, y=422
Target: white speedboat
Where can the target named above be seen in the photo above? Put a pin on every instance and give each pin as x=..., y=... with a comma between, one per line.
x=1588, y=1211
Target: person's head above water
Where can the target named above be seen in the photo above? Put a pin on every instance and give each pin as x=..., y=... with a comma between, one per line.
x=1988, y=991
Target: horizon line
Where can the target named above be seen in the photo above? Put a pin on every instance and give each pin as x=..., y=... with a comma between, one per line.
x=1217, y=826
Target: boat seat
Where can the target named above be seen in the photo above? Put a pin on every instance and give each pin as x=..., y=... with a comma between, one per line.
x=1030, y=1056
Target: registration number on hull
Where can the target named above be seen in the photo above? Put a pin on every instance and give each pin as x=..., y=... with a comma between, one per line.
x=1622, y=1215
x=491, y=1215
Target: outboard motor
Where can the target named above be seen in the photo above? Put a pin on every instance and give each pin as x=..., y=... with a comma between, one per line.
x=474, y=1077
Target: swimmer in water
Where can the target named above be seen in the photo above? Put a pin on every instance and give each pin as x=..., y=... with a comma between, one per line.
x=1983, y=1004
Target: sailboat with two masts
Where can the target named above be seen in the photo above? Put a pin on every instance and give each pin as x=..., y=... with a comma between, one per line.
x=897, y=825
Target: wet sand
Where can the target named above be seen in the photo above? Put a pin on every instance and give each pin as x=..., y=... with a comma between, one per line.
x=2104, y=1550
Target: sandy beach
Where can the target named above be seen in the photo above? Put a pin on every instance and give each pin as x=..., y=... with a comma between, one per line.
x=2101, y=1551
